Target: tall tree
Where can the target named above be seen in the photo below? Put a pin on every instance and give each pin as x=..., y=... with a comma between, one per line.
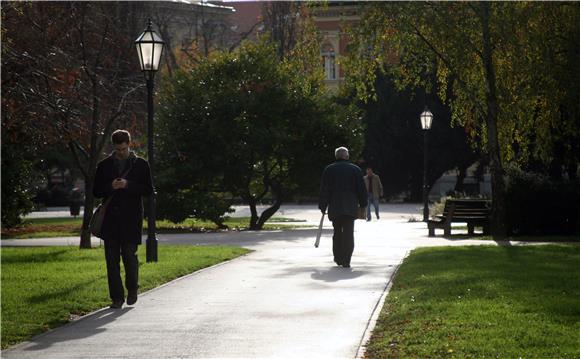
x=239, y=124
x=282, y=21
x=79, y=79
x=473, y=49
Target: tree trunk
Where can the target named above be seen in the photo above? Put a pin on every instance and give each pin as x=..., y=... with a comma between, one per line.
x=498, y=211
x=572, y=169
x=88, y=211
x=459, y=187
x=254, y=212
x=269, y=212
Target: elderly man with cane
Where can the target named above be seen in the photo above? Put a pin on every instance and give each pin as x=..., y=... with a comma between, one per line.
x=343, y=192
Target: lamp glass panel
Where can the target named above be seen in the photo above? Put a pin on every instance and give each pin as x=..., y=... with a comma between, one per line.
x=426, y=119
x=138, y=46
x=156, y=37
x=147, y=56
x=147, y=36
x=157, y=50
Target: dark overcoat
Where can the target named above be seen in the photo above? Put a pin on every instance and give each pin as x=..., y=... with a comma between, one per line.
x=342, y=190
x=124, y=214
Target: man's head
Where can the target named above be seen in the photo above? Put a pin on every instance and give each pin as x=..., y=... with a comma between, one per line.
x=370, y=171
x=121, y=141
x=341, y=153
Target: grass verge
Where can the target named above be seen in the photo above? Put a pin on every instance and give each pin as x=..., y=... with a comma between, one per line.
x=536, y=239
x=43, y=288
x=482, y=302
x=69, y=226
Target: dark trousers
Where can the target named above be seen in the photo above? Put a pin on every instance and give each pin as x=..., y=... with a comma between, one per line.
x=115, y=248
x=343, y=239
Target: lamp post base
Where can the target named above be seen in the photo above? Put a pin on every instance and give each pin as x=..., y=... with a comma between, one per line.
x=151, y=249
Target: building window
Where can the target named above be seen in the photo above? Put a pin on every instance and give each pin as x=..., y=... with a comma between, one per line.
x=329, y=62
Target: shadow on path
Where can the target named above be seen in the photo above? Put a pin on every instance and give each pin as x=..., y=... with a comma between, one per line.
x=336, y=274
x=88, y=326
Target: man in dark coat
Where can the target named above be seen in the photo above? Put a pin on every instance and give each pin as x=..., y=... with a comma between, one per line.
x=343, y=192
x=124, y=178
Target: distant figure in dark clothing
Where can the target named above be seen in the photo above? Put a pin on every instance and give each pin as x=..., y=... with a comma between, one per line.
x=342, y=191
x=75, y=199
x=126, y=178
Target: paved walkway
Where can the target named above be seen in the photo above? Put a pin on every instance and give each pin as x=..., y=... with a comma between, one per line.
x=286, y=299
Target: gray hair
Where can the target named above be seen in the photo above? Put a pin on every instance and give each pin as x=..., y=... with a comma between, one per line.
x=341, y=153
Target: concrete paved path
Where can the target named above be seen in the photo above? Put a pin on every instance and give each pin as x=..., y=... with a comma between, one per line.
x=286, y=299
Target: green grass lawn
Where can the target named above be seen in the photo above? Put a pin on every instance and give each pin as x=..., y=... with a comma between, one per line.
x=69, y=226
x=43, y=288
x=483, y=302
x=545, y=239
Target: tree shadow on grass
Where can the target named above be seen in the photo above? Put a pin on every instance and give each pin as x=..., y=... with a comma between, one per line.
x=62, y=293
x=51, y=256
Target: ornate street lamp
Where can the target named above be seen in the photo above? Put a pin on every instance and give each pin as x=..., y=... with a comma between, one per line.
x=150, y=47
x=426, y=118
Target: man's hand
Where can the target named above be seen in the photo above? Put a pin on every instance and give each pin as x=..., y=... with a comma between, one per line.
x=119, y=183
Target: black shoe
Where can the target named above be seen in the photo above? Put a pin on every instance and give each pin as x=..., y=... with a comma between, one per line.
x=378, y=217
x=117, y=304
x=346, y=265
x=132, y=297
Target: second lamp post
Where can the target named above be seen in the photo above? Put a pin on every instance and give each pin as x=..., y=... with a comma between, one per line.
x=150, y=47
x=426, y=118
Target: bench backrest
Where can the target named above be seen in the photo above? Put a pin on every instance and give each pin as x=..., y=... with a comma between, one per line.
x=466, y=208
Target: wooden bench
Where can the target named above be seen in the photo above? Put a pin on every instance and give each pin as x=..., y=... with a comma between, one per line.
x=474, y=212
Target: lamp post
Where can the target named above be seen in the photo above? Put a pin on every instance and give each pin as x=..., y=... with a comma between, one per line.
x=426, y=118
x=150, y=47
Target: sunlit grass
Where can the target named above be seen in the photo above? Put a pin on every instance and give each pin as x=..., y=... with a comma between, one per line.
x=69, y=226
x=482, y=302
x=42, y=287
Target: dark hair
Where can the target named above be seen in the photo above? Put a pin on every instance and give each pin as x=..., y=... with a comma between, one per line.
x=121, y=136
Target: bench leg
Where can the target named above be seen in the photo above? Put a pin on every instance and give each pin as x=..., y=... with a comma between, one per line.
x=486, y=229
x=447, y=231
x=431, y=231
x=470, y=228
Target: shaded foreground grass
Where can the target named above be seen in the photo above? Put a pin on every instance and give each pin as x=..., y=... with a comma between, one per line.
x=69, y=226
x=43, y=288
x=482, y=302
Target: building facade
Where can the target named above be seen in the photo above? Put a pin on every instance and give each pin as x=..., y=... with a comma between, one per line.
x=332, y=20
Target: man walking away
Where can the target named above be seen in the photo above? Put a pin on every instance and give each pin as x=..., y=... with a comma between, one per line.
x=375, y=191
x=342, y=191
x=124, y=178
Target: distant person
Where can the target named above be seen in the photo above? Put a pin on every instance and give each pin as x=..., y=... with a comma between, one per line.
x=124, y=178
x=374, y=190
x=75, y=199
x=343, y=192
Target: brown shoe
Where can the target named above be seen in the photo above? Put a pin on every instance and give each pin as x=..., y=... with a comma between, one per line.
x=117, y=304
x=132, y=297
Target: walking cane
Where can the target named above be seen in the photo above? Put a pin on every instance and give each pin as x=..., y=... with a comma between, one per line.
x=319, y=231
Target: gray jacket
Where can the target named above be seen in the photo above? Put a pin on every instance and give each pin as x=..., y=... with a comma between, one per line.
x=377, y=186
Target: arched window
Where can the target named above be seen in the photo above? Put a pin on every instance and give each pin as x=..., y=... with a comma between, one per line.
x=329, y=61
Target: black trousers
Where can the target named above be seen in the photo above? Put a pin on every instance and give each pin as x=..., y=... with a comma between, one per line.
x=343, y=239
x=115, y=249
